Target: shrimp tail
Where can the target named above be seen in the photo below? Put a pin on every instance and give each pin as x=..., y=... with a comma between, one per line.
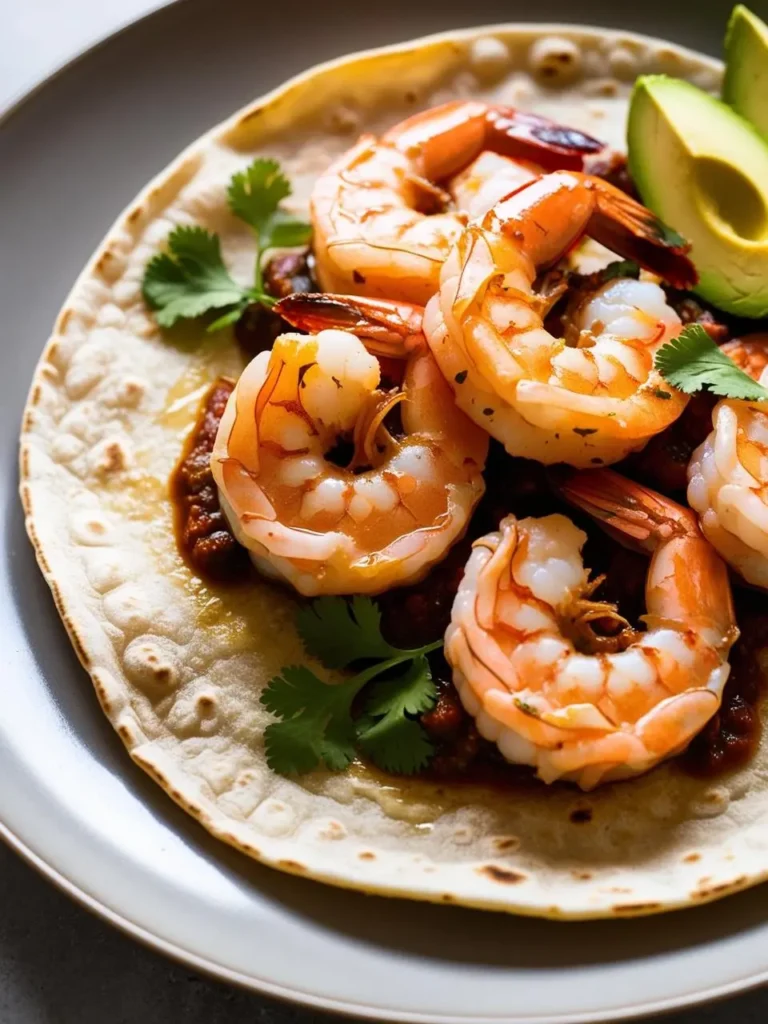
x=553, y=146
x=687, y=580
x=635, y=515
x=626, y=227
x=391, y=329
x=448, y=137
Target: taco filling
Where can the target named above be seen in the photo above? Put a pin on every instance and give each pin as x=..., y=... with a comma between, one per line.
x=398, y=465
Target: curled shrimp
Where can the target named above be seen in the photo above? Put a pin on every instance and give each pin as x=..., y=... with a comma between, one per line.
x=520, y=647
x=376, y=213
x=590, y=402
x=728, y=473
x=396, y=501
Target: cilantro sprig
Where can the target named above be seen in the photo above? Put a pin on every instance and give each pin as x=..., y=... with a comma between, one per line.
x=693, y=362
x=254, y=195
x=317, y=721
x=190, y=277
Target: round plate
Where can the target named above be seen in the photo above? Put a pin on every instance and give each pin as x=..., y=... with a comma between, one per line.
x=72, y=155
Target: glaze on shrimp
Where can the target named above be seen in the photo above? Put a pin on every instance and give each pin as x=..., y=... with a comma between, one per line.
x=587, y=402
x=379, y=215
x=361, y=521
x=522, y=649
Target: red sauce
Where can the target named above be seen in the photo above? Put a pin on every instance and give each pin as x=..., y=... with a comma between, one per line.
x=461, y=754
x=203, y=535
x=730, y=739
x=693, y=311
x=663, y=463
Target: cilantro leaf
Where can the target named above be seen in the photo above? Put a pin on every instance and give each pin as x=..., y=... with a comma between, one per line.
x=693, y=362
x=190, y=278
x=317, y=723
x=254, y=194
x=339, y=632
x=527, y=708
x=288, y=693
x=292, y=746
x=284, y=231
x=389, y=732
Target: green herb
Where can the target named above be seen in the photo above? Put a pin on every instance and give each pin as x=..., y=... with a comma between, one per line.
x=339, y=632
x=693, y=362
x=190, y=278
x=621, y=268
x=389, y=732
x=254, y=196
x=317, y=724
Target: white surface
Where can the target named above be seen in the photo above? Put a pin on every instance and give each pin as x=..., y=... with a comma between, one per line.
x=38, y=36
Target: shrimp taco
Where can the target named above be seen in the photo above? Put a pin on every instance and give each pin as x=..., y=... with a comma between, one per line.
x=316, y=466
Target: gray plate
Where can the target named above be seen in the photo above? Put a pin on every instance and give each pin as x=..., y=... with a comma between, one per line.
x=71, y=156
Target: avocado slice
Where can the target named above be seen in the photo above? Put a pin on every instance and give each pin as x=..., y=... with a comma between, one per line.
x=745, y=87
x=704, y=171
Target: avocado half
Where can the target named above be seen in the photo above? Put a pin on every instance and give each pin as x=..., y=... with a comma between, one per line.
x=704, y=171
x=745, y=86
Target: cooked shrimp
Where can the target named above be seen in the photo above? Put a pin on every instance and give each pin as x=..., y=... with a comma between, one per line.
x=728, y=473
x=587, y=403
x=393, y=507
x=523, y=654
x=377, y=229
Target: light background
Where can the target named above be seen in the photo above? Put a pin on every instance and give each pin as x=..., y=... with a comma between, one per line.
x=37, y=36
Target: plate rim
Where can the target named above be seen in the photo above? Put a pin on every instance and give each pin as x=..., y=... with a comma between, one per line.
x=99, y=908
x=221, y=972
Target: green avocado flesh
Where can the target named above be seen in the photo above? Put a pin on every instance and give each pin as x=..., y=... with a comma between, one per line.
x=704, y=171
x=745, y=87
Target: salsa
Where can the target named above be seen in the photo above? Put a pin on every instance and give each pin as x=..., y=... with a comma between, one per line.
x=730, y=739
x=203, y=535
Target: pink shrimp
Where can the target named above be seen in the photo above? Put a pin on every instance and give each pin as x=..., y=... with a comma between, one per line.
x=390, y=509
x=379, y=215
x=523, y=653
x=543, y=397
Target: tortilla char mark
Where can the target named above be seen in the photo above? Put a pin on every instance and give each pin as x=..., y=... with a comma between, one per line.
x=506, y=876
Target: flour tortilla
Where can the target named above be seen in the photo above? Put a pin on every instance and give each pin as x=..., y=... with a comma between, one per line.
x=178, y=665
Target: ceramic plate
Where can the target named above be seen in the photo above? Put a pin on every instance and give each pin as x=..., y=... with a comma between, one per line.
x=71, y=156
